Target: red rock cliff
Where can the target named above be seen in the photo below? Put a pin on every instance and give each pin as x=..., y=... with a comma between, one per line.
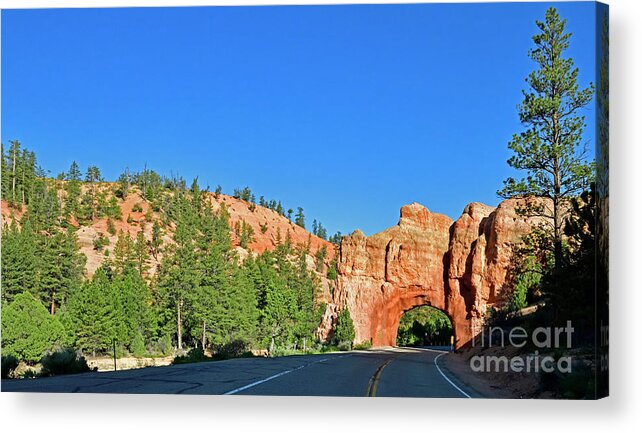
x=426, y=259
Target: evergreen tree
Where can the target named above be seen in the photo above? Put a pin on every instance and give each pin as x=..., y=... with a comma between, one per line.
x=177, y=278
x=344, y=329
x=299, y=218
x=92, y=177
x=72, y=189
x=336, y=238
x=19, y=174
x=157, y=238
x=140, y=253
x=61, y=267
x=279, y=311
x=20, y=260
x=124, y=181
x=320, y=256
x=74, y=173
x=131, y=301
x=90, y=317
x=124, y=255
x=28, y=330
x=549, y=150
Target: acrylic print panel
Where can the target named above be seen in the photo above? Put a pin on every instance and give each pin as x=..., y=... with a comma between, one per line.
x=205, y=200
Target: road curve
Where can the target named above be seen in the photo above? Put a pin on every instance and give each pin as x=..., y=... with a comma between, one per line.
x=394, y=372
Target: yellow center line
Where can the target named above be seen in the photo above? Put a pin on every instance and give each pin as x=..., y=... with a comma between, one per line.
x=374, y=380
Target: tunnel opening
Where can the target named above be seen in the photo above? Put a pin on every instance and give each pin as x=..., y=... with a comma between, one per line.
x=424, y=326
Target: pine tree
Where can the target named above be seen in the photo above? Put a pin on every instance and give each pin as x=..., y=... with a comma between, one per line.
x=550, y=150
x=344, y=330
x=157, y=237
x=72, y=189
x=124, y=181
x=61, y=267
x=299, y=218
x=92, y=177
x=178, y=276
x=131, y=304
x=279, y=312
x=90, y=317
x=19, y=261
x=140, y=253
x=124, y=255
x=28, y=330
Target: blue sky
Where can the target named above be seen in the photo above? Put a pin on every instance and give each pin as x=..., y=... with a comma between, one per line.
x=348, y=111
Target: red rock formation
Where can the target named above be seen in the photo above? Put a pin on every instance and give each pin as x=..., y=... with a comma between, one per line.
x=274, y=224
x=460, y=268
x=382, y=276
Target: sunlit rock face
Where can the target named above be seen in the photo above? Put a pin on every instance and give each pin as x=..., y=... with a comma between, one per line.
x=459, y=267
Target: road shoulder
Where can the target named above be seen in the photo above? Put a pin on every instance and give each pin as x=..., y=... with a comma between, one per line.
x=457, y=367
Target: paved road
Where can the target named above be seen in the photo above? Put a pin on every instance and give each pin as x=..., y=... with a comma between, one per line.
x=395, y=372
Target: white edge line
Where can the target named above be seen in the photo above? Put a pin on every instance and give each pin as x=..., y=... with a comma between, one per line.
x=274, y=376
x=446, y=377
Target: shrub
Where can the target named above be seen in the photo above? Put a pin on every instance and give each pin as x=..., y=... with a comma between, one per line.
x=138, y=346
x=367, y=344
x=194, y=355
x=137, y=207
x=100, y=241
x=344, y=345
x=64, y=361
x=29, y=373
x=329, y=348
x=164, y=345
x=282, y=351
x=9, y=364
x=332, y=270
x=111, y=229
x=233, y=349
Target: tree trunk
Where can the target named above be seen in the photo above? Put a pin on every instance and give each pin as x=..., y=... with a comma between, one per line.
x=53, y=303
x=179, y=325
x=557, y=194
x=13, y=181
x=203, y=340
x=272, y=345
x=557, y=236
x=23, y=187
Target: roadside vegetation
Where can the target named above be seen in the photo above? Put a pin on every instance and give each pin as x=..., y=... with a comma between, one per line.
x=202, y=295
x=554, y=265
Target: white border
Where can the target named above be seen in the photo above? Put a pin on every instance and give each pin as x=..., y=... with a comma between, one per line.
x=621, y=412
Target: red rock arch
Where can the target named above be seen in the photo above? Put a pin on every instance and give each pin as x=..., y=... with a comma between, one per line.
x=458, y=267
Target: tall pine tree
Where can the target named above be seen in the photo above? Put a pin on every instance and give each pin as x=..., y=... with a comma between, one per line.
x=550, y=149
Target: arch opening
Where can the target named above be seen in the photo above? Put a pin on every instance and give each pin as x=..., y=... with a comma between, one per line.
x=424, y=326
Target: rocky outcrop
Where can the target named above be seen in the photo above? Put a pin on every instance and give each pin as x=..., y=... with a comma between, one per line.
x=459, y=267
x=268, y=227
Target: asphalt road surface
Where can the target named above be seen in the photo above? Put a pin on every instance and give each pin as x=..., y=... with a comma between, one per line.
x=394, y=372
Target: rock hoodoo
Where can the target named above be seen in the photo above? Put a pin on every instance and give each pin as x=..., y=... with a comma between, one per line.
x=458, y=267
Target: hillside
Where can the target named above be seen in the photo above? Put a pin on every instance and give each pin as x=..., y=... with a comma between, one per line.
x=268, y=228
